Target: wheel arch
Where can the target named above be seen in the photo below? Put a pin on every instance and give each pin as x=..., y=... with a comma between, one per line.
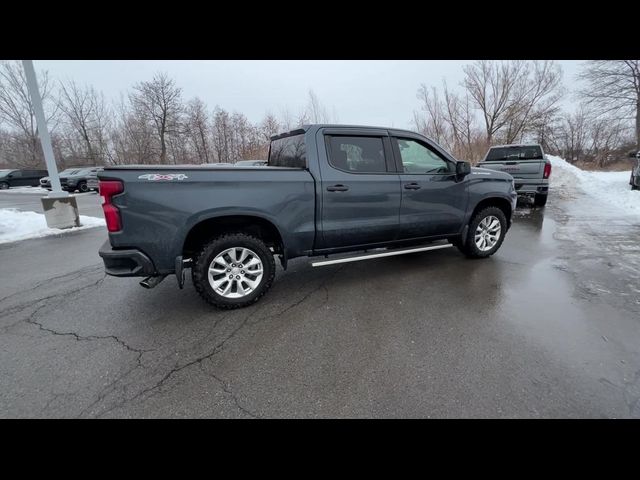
x=499, y=202
x=208, y=228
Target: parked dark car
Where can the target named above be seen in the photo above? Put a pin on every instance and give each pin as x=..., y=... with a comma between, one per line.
x=45, y=182
x=75, y=178
x=326, y=189
x=634, y=181
x=20, y=178
x=78, y=180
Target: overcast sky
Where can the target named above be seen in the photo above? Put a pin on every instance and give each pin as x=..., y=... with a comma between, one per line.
x=381, y=92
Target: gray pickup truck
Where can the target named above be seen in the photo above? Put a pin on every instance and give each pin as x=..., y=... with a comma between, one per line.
x=326, y=189
x=527, y=165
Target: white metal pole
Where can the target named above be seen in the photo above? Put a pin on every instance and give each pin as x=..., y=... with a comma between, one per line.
x=43, y=132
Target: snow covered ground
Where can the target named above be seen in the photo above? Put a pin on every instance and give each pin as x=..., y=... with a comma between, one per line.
x=17, y=225
x=35, y=191
x=32, y=190
x=610, y=188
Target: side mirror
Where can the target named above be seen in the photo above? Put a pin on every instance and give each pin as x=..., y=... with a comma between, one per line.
x=463, y=168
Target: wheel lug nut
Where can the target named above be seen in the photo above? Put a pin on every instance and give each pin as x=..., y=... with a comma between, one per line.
x=242, y=272
x=230, y=276
x=228, y=269
x=238, y=277
x=233, y=265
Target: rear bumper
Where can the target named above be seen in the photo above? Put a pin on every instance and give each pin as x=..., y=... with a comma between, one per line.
x=531, y=188
x=125, y=263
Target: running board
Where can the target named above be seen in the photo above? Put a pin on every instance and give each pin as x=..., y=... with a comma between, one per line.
x=379, y=255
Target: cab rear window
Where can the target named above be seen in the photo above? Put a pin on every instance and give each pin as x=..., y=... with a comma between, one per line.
x=288, y=152
x=532, y=152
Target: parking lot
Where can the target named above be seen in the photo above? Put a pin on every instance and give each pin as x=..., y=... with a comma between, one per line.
x=548, y=327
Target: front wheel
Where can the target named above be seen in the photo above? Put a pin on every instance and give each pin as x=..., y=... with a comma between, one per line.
x=486, y=233
x=82, y=187
x=4, y=186
x=233, y=270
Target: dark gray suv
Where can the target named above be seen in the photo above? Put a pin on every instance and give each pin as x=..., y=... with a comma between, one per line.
x=20, y=178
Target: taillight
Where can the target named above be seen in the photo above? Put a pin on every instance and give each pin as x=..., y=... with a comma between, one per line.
x=107, y=189
x=547, y=170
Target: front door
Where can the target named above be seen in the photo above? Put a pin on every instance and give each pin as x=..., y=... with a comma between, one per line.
x=360, y=189
x=434, y=201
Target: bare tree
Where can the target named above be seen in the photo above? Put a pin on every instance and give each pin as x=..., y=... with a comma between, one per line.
x=613, y=87
x=197, y=129
x=450, y=120
x=512, y=95
x=87, y=118
x=269, y=127
x=317, y=112
x=16, y=112
x=159, y=100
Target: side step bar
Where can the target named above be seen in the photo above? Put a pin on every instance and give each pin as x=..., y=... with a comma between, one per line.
x=379, y=255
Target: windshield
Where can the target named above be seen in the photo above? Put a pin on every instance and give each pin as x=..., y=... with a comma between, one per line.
x=4, y=172
x=518, y=152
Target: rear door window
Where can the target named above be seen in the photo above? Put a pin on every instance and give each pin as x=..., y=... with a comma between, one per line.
x=357, y=154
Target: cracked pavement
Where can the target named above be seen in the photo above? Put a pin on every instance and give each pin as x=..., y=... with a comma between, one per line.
x=548, y=327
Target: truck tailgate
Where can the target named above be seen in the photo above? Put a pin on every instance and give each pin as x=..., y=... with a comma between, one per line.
x=518, y=169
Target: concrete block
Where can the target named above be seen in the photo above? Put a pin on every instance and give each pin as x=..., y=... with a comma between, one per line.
x=61, y=212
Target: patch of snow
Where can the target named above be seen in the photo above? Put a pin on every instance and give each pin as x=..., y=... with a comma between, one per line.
x=611, y=188
x=16, y=225
x=32, y=190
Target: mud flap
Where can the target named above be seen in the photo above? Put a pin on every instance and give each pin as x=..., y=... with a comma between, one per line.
x=179, y=267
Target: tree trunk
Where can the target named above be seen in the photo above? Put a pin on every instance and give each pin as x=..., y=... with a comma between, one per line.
x=638, y=126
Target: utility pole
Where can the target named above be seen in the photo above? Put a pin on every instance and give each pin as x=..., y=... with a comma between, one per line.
x=60, y=208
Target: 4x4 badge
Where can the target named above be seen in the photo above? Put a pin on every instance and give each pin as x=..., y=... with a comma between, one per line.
x=163, y=176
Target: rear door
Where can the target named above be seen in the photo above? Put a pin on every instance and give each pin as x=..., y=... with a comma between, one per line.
x=434, y=200
x=359, y=188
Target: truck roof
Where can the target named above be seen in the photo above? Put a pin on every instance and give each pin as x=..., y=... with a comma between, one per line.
x=305, y=127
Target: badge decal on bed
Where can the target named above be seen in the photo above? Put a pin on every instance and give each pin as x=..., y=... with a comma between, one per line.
x=163, y=176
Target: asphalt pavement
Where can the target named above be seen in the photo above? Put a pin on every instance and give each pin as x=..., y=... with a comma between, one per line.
x=547, y=327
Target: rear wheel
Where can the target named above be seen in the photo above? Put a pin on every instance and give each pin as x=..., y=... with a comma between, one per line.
x=486, y=233
x=233, y=270
x=540, y=200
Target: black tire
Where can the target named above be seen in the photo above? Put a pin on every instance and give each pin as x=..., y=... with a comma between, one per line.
x=470, y=249
x=4, y=186
x=200, y=269
x=82, y=187
x=540, y=200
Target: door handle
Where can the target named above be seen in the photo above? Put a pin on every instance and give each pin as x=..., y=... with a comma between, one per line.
x=412, y=186
x=337, y=188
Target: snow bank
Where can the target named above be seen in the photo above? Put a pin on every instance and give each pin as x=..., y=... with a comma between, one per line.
x=611, y=188
x=31, y=190
x=16, y=225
